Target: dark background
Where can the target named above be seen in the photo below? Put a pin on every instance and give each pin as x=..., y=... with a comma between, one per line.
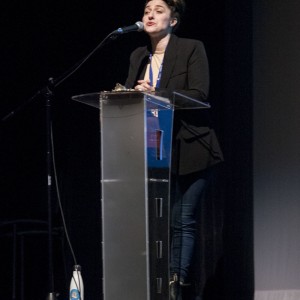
x=42, y=40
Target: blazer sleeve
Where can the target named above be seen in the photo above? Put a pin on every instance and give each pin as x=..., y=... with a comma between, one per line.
x=131, y=72
x=198, y=72
x=138, y=61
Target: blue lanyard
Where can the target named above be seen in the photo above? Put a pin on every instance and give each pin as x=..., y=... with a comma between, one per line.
x=151, y=73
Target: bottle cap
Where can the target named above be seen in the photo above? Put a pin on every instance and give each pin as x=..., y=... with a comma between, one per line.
x=77, y=268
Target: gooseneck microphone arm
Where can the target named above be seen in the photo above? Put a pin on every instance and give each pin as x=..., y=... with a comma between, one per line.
x=138, y=26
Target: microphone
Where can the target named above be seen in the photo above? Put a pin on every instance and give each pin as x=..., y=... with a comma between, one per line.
x=138, y=26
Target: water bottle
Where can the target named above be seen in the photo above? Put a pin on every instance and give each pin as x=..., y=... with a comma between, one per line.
x=76, y=285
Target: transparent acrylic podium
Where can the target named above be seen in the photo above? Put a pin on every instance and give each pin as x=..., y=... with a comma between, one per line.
x=136, y=139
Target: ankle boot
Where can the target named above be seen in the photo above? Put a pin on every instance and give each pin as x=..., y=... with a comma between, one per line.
x=175, y=288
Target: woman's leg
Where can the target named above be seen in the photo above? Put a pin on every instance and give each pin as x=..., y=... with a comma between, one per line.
x=189, y=192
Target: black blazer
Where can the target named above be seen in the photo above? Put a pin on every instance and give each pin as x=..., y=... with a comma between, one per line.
x=185, y=70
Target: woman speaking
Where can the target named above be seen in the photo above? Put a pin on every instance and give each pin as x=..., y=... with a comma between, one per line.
x=169, y=64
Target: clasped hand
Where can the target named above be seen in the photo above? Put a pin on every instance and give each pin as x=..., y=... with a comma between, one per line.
x=144, y=86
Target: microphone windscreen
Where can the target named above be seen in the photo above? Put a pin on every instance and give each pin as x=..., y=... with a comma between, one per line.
x=140, y=25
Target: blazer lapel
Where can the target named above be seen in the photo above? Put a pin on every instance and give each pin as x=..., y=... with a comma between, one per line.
x=169, y=61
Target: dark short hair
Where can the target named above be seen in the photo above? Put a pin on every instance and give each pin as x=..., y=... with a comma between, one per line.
x=177, y=8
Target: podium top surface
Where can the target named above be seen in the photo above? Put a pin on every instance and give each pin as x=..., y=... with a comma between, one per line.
x=177, y=101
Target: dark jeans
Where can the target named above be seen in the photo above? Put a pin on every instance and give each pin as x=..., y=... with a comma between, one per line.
x=187, y=195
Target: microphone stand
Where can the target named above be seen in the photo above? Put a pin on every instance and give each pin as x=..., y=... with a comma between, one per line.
x=49, y=98
x=48, y=93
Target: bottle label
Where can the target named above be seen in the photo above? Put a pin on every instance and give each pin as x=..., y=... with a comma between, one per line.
x=75, y=295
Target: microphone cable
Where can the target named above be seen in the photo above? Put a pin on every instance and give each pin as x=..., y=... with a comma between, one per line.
x=59, y=199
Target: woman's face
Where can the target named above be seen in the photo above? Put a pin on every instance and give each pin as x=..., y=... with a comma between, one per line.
x=157, y=18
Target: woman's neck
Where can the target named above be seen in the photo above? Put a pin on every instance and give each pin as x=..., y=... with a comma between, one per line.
x=160, y=44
